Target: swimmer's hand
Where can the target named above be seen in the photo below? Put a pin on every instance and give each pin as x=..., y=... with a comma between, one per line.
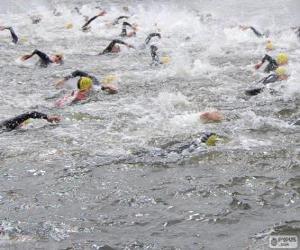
x=26, y=57
x=110, y=89
x=257, y=66
x=243, y=27
x=59, y=83
x=2, y=28
x=102, y=13
x=53, y=119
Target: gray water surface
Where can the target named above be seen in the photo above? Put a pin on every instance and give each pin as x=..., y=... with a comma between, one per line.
x=99, y=179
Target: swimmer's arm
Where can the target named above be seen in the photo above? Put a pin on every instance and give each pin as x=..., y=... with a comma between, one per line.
x=40, y=54
x=12, y=33
x=74, y=74
x=150, y=36
x=109, y=48
x=257, y=33
x=265, y=58
x=102, y=13
x=119, y=18
x=17, y=121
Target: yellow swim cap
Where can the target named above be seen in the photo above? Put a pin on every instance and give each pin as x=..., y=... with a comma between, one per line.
x=165, y=59
x=69, y=26
x=211, y=141
x=269, y=45
x=109, y=79
x=85, y=83
x=280, y=71
x=282, y=58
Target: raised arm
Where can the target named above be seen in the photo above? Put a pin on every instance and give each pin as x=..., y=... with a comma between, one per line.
x=102, y=13
x=118, y=19
x=150, y=36
x=17, y=121
x=12, y=33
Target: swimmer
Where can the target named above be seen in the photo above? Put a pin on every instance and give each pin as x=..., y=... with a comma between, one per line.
x=85, y=26
x=114, y=48
x=211, y=116
x=12, y=33
x=110, y=89
x=279, y=75
x=45, y=60
x=150, y=36
x=255, y=31
x=124, y=30
x=84, y=89
x=281, y=59
x=17, y=121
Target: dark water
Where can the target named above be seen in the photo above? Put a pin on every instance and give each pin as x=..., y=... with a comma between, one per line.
x=99, y=179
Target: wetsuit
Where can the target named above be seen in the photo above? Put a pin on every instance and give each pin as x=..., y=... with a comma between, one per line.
x=155, y=58
x=124, y=30
x=119, y=18
x=257, y=33
x=297, y=122
x=13, y=34
x=89, y=21
x=44, y=59
x=272, y=63
x=18, y=120
x=269, y=79
x=109, y=48
x=150, y=36
x=298, y=32
x=79, y=73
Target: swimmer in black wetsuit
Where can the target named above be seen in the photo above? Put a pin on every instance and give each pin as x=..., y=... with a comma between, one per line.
x=16, y=122
x=279, y=75
x=45, y=60
x=255, y=31
x=150, y=36
x=281, y=59
x=85, y=26
x=270, y=67
x=78, y=73
x=114, y=48
x=124, y=30
x=12, y=33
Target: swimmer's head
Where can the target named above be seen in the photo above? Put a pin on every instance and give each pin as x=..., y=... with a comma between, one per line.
x=211, y=116
x=210, y=139
x=85, y=83
x=269, y=46
x=109, y=79
x=165, y=59
x=116, y=49
x=69, y=26
x=282, y=58
x=281, y=72
x=58, y=58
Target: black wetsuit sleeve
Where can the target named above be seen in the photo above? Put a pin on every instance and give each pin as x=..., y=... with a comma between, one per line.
x=272, y=63
x=15, y=122
x=79, y=73
x=109, y=48
x=150, y=36
x=270, y=79
x=119, y=18
x=45, y=60
x=13, y=34
x=257, y=33
x=155, y=58
x=89, y=21
x=267, y=58
x=75, y=74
